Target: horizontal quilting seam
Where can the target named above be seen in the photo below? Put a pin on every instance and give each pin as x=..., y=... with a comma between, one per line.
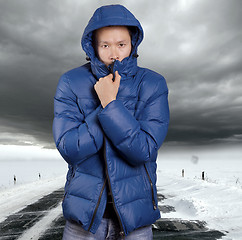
x=140, y=100
x=82, y=197
x=127, y=97
x=92, y=98
x=118, y=180
x=89, y=174
x=137, y=199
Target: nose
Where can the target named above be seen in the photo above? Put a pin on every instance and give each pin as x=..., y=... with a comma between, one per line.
x=114, y=54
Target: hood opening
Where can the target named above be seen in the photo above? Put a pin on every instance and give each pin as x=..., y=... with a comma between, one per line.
x=111, y=15
x=134, y=35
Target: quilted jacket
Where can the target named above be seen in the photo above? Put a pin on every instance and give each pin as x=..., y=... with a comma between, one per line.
x=115, y=146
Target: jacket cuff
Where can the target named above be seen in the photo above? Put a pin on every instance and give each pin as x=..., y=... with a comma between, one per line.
x=117, y=122
x=94, y=127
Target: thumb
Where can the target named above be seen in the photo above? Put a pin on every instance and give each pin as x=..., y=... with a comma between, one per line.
x=117, y=78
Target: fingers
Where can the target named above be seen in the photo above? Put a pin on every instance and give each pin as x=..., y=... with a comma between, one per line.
x=108, y=77
x=117, y=75
x=117, y=78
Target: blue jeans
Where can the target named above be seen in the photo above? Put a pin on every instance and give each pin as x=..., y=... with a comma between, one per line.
x=108, y=229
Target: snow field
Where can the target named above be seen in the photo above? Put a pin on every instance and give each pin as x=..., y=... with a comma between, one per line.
x=218, y=204
x=217, y=200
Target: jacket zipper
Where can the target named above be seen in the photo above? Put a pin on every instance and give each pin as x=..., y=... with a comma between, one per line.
x=110, y=69
x=98, y=203
x=115, y=209
x=152, y=190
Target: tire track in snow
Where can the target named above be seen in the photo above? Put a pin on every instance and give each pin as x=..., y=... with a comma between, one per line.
x=40, y=227
x=17, y=223
x=55, y=230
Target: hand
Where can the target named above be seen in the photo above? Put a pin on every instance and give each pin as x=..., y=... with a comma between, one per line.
x=107, y=89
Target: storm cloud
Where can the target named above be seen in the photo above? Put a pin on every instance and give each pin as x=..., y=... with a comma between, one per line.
x=195, y=45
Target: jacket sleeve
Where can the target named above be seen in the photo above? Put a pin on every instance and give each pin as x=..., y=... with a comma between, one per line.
x=76, y=137
x=138, y=140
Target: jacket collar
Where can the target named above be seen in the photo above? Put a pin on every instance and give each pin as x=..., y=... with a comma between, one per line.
x=126, y=68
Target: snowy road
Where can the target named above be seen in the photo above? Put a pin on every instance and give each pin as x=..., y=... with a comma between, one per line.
x=43, y=220
x=32, y=221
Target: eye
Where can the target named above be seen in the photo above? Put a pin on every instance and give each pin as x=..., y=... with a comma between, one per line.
x=104, y=46
x=122, y=44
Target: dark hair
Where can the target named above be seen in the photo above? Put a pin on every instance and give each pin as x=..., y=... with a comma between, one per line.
x=131, y=30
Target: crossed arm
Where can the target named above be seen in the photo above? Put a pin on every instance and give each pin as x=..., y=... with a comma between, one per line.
x=137, y=140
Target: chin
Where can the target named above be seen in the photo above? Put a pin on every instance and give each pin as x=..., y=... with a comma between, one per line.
x=107, y=64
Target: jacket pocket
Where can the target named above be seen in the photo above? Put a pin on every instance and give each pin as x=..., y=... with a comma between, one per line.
x=152, y=188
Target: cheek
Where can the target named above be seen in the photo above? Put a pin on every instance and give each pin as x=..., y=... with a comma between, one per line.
x=102, y=53
x=126, y=52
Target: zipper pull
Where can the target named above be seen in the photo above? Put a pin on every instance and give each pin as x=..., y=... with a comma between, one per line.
x=122, y=234
x=154, y=205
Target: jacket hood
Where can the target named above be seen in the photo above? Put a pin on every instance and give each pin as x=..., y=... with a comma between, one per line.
x=112, y=15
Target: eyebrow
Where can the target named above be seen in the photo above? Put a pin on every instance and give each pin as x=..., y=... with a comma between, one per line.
x=108, y=42
x=102, y=42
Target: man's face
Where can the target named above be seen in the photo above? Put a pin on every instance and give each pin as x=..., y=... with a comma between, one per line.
x=113, y=43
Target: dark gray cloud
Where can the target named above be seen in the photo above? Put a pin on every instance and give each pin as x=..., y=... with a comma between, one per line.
x=200, y=54
x=196, y=45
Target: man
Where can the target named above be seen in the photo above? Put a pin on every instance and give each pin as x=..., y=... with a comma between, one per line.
x=111, y=117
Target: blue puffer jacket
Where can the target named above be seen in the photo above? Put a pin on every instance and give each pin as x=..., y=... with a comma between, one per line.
x=116, y=146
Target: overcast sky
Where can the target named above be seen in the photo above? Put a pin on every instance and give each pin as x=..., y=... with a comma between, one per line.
x=195, y=45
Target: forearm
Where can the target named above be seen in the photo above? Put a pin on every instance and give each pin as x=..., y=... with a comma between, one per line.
x=136, y=140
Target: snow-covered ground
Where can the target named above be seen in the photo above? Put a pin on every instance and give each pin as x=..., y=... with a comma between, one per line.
x=219, y=205
x=26, y=163
x=16, y=198
x=217, y=200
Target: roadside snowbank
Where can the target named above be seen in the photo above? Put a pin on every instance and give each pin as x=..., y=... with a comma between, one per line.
x=194, y=199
